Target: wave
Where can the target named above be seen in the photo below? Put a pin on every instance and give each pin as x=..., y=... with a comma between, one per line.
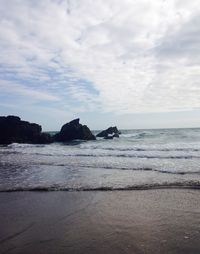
x=162, y=171
x=123, y=155
x=140, y=156
x=175, y=185
x=125, y=168
x=135, y=156
x=139, y=135
x=18, y=145
x=143, y=169
x=137, y=149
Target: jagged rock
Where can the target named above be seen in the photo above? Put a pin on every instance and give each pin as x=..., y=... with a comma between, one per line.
x=109, y=137
x=74, y=130
x=13, y=130
x=45, y=138
x=109, y=133
x=116, y=135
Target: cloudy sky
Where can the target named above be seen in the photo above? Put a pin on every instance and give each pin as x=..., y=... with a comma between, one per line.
x=134, y=63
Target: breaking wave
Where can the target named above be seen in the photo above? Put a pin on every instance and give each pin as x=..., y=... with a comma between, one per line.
x=139, y=159
x=175, y=185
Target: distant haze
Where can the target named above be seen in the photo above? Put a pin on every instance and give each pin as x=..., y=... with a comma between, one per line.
x=130, y=63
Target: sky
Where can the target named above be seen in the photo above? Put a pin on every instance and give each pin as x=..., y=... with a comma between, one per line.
x=130, y=63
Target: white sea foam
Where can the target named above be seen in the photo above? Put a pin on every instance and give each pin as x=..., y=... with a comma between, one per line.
x=137, y=158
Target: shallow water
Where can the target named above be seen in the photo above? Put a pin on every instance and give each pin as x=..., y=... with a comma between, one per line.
x=139, y=159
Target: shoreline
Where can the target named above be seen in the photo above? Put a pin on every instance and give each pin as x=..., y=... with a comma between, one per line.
x=153, y=221
x=145, y=187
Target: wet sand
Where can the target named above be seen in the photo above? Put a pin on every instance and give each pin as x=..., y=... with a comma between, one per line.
x=135, y=222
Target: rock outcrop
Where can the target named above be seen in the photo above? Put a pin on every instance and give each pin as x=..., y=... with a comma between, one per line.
x=14, y=130
x=109, y=133
x=74, y=130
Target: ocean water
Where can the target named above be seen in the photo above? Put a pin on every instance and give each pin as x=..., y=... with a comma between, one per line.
x=139, y=159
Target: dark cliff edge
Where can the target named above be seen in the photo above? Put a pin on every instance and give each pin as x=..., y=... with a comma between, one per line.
x=14, y=130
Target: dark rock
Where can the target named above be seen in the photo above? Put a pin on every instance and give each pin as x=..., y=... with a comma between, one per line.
x=109, y=137
x=45, y=138
x=13, y=130
x=109, y=133
x=74, y=130
x=116, y=135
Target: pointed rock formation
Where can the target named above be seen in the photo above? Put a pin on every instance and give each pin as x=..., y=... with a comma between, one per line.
x=74, y=130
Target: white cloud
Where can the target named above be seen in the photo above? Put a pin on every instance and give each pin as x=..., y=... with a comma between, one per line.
x=138, y=56
x=11, y=88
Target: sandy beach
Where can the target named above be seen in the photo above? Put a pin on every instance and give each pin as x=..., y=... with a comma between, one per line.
x=150, y=221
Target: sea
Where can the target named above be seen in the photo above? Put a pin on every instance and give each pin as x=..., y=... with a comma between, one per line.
x=139, y=159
